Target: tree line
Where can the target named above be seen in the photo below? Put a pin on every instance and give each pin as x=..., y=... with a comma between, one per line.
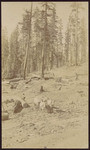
x=37, y=44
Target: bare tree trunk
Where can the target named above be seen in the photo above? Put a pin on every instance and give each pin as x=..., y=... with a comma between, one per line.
x=76, y=35
x=51, y=60
x=57, y=61
x=25, y=64
x=45, y=39
x=30, y=43
x=27, y=57
x=43, y=62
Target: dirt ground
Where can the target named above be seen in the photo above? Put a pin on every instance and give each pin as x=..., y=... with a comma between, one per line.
x=32, y=128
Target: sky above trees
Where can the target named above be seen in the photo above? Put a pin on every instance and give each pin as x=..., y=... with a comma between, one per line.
x=12, y=13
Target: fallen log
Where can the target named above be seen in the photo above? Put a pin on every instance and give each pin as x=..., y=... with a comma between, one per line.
x=5, y=116
x=28, y=81
x=47, y=78
x=15, y=80
x=35, y=77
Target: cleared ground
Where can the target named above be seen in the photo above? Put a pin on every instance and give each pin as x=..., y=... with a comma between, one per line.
x=67, y=128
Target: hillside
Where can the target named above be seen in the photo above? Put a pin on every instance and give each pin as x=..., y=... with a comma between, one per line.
x=66, y=127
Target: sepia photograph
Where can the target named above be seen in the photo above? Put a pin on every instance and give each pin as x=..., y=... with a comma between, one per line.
x=44, y=74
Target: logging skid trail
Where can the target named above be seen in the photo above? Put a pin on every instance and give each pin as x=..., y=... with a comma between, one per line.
x=66, y=127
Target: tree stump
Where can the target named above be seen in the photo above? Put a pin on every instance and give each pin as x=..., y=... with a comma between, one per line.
x=49, y=109
x=18, y=107
x=76, y=76
x=41, y=89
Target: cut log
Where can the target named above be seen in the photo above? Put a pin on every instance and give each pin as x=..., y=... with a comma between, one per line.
x=5, y=116
x=47, y=78
x=15, y=80
x=28, y=81
x=35, y=78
